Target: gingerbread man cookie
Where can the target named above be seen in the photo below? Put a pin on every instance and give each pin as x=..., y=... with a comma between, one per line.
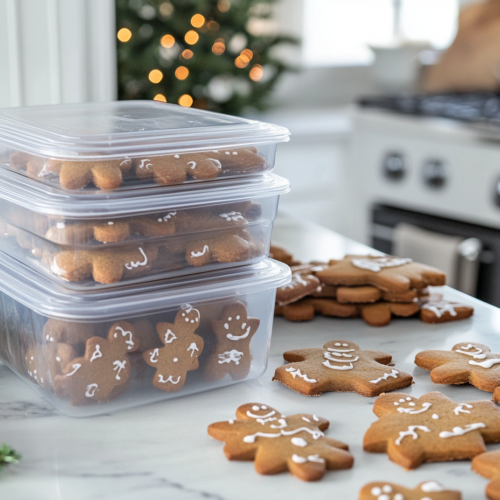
x=224, y=248
x=104, y=174
x=282, y=255
x=68, y=332
x=105, y=266
x=380, y=313
x=370, y=294
x=79, y=233
x=231, y=353
x=301, y=285
x=466, y=363
x=181, y=351
x=488, y=465
x=95, y=377
x=278, y=443
x=430, y=490
x=45, y=362
x=388, y=273
x=340, y=366
x=306, y=309
x=436, y=310
x=431, y=428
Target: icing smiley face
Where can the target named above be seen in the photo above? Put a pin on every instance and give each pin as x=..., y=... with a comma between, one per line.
x=231, y=354
x=190, y=315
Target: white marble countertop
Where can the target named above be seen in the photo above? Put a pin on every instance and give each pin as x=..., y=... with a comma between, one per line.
x=163, y=451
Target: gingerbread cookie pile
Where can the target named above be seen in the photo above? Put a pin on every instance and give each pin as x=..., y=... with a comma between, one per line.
x=88, y=364
x=371, y=287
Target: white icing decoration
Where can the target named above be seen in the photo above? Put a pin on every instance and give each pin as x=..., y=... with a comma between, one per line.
x=295, y=372
x=133, y=265
x=217, y=162
x=315, y=418
x=91, y=390
x=57, y=358
x=145, y=164
x=376, y=265
x=125, y=333
x=338, y=343
x=440, y=307
x=460, y=408
x=193, y=164
x=411, y=411
x=232, y=356
x=200, y=254
x=176, y=157
x=263, y=407
x=387, y=488
x=193, y=347
x=399, y=496
x=240, y=337
x=311, y=458
x=296, y=280
x=60, y=225
x=305, y=419
x=251, y=438
x=111, y=223
x=169, y=379
x=343, y=367
x=298, y=441
x=431, y=486
x=97, y=353
x=485, y=364
x=176, y=359
x=119, y=365
x=435, y=416
x=231, y=421
x=75, y=367
x=478, y=354
x=153, y=355
x=459, y=431
x=232, y=216
x=376, y=491
x=408, y=398
x=167, y=217
x=411, y=432
x=126, y=161
x=393, y=374
x=169, y=336
x=281, y=421
x=411, y=404
x=256, y=408
x=340, y=350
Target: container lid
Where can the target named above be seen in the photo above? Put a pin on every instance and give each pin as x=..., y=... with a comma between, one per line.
x=46, y=298
x=127, y=128
x=37, y=197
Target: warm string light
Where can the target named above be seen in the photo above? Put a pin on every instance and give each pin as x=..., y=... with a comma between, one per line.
x=160, y=98
x=191, y=37
x=155, y=76
x=187, y=54
x=218, y=47
x=223, y=5
x=256, y=73
x=167, y=41
x=197, y=20
x=181, y=73
x=124, y=35
x=244, y=58
x=213, y=25
x=186, y=100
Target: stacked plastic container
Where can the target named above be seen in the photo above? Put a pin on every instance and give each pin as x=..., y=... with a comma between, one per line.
x=133, y=250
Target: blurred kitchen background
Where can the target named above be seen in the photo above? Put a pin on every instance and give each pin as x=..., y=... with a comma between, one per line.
x=393, y=105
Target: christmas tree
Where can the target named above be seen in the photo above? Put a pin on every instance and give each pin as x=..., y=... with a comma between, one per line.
x=209, y=54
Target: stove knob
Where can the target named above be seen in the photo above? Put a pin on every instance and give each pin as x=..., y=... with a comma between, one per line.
x=394, y=166
x=434, y=174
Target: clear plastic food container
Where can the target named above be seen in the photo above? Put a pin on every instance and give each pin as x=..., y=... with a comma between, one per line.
x=126, y=145
x=97, y=352
x=87, y=242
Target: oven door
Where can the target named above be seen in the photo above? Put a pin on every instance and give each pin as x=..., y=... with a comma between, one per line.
x=485, y=281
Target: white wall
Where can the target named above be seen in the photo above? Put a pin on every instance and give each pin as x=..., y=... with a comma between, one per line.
x=55, y=51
